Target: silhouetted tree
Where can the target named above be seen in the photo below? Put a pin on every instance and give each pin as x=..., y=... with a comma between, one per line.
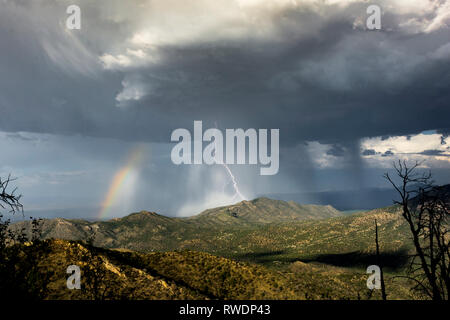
x=383, y=287
x=9, y=199
x=425, y=207
x=20, y=275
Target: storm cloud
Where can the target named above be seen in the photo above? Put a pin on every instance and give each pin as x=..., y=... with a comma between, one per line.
x=139, y=69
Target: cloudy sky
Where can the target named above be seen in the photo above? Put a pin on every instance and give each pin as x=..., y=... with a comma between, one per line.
x=86, y=115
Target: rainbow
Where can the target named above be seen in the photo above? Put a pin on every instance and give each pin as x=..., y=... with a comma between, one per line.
x=133, y=161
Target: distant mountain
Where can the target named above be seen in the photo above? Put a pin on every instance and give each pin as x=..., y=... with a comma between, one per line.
x=264, y=211
x=148, y=230
x=311, y=251
x=243, y=232
x=348, y=200
x=360, y=199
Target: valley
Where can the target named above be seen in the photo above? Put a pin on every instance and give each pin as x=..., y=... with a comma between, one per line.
x=310, y=251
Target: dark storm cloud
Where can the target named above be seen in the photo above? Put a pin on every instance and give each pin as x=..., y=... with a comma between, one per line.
x=315, y=75
x=369, y=152
x=20, y=136
x=139, y=69
x=336, y=150
x=434, y=153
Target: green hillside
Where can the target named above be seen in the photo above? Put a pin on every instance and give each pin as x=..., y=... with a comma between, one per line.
x=235, y=252
x=123, y=274
x=340, y=240
x=150, y=231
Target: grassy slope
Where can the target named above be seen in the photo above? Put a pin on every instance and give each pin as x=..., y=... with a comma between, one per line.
x=281, y=243
x=198, y=275
x=150, y=231
x=267, y=259
x=347, y=238
x=168, y=275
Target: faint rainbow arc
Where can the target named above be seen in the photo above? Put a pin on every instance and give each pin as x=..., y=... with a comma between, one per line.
x=121, y=175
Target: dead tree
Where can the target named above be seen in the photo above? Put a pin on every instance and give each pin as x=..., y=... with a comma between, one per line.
x=11, y=202
x=425, y=208
x=9, y=199
x=383, y=287
x=20, y=274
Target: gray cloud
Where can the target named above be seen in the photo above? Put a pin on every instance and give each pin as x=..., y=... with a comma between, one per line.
x=369, y=152
x=336, y=150
x=20, y=136
x=433, y=153
x=315, y=76
x=139, y=69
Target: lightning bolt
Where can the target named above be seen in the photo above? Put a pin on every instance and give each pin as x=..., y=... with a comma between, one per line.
x=235, y=185
x=237, y=193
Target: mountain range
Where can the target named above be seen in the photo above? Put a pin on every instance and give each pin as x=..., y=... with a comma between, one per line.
x=155, y=231
x=261, y=230
x=311, y=251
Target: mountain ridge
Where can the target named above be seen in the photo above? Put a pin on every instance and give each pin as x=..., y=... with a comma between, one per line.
x=310, y=211
x=133, y=230
x=263, y=210
x=272, y=244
